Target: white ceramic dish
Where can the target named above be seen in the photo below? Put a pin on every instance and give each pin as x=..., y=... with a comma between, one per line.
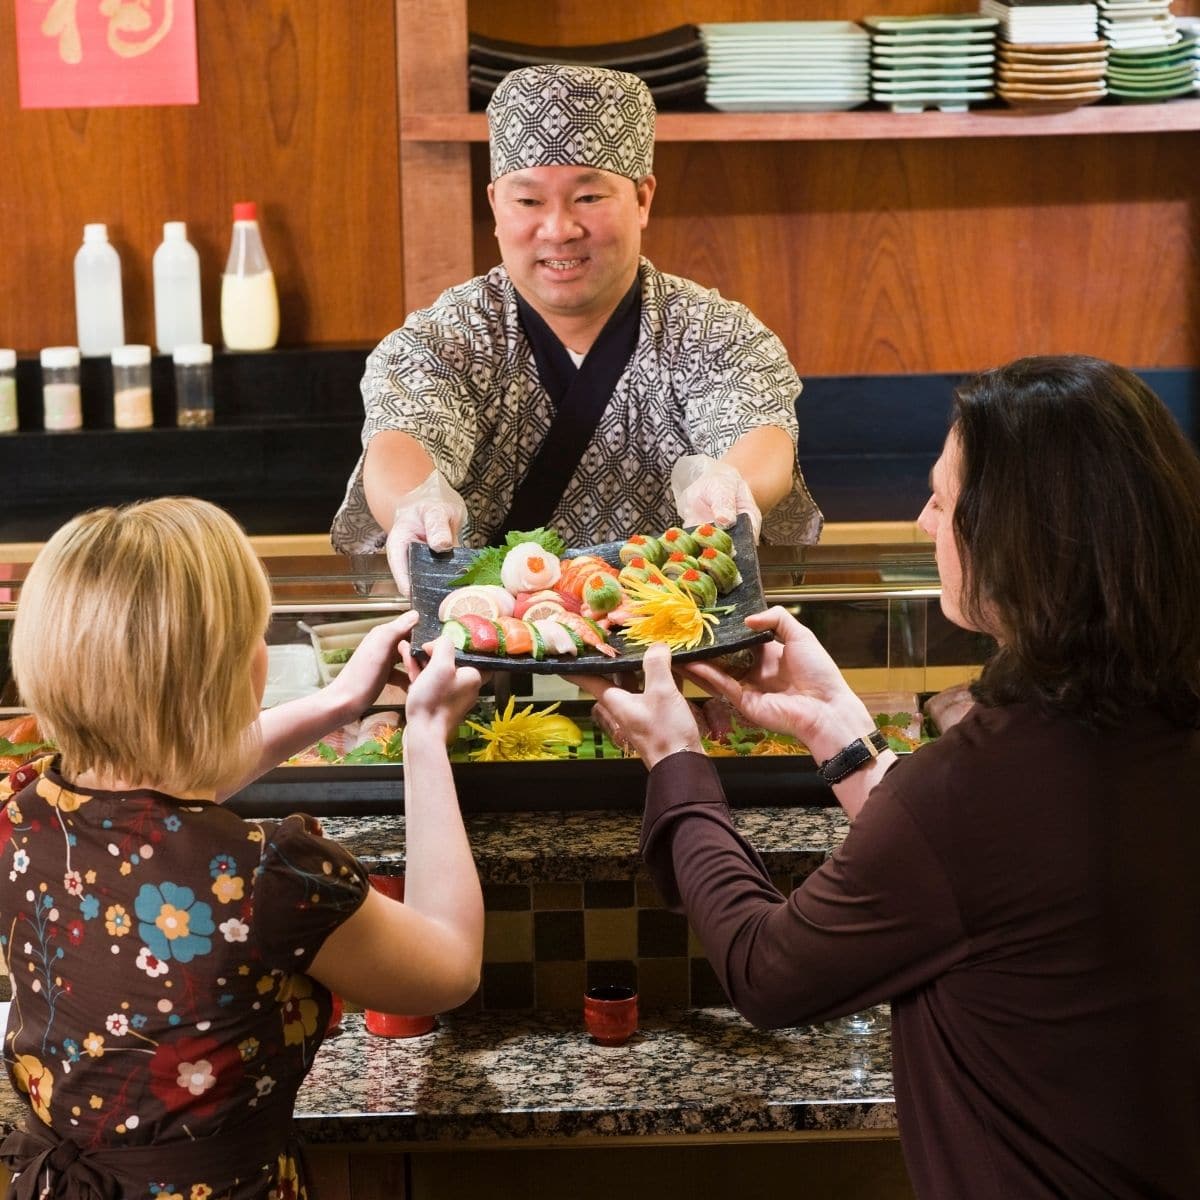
x=963, y=73
x=743, y=105
x=968, y=37
x=940, y=21
x=338, y=635
x=934, y=60
x=737, y=30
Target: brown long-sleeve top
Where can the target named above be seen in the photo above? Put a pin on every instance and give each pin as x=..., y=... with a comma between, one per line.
x=1027, y=894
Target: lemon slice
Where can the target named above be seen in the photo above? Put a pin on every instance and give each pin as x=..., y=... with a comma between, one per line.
x=468, y=600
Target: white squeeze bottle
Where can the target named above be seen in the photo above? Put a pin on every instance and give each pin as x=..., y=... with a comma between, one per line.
x=99, y=315
x=177, y=320
x=249, y=305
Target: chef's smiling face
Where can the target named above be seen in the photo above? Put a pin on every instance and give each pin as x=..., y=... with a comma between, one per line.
x=570, y=237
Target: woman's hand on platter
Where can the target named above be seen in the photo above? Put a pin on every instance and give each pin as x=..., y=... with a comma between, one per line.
x=374, y=663
x=793, y=687
x=655, y=722
x=440, y=694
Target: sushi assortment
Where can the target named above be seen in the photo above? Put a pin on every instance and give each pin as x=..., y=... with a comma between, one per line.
x=664, y=588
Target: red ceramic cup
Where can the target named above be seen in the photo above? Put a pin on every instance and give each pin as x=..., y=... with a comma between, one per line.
x=610, y=1013
x=394, y=1024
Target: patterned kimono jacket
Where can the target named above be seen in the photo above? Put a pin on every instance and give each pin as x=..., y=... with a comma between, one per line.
x=461, y=378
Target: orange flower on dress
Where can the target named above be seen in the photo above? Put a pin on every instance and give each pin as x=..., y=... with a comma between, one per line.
x=299, y=1010
x=35, y=1080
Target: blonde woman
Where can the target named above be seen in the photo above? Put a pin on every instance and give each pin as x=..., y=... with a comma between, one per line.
x=172, y=963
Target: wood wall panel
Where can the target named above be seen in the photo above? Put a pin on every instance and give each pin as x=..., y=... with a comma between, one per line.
x=297, y=110
x=913, y=256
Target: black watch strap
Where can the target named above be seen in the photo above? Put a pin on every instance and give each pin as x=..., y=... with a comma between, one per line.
x=847, y=760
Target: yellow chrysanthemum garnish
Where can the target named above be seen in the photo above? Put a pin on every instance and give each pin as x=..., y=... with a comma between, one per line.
x=513, y=736
x=665, y=612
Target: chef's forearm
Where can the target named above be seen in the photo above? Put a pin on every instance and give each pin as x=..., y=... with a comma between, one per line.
x=395, y=464
x=765, y=458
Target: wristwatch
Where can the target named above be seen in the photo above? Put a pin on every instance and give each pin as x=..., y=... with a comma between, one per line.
x=847, y=760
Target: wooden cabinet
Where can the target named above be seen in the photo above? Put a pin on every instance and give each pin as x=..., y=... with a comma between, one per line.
x=872, y=242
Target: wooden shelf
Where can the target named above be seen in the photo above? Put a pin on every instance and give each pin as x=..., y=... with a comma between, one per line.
x=1172, y=116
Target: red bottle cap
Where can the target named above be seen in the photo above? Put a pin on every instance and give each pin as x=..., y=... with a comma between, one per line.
x=245, y=210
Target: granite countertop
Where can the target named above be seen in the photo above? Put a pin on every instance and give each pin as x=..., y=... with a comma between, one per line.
x=486, y=1078
x=536, y=847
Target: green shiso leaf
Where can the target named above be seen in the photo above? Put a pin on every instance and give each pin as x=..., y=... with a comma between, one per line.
x=485, y=566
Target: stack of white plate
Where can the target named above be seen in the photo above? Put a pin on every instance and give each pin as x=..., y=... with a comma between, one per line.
x=943, y=60
x=1138, y=24
x=786, y=66
x=1055, y=75
x=1043, y=23
x=1154, y=72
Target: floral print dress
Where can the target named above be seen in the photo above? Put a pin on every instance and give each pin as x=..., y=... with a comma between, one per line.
x=157, y=948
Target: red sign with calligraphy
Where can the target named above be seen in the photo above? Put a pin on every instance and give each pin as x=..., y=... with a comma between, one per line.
x=106, y=53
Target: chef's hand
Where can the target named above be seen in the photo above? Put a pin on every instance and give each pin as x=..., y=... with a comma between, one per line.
x=793, y=687
x=707, y=490
x=433, y=512
x=656, y=722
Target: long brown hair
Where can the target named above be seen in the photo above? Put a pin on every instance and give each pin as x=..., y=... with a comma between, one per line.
x=1078, y=526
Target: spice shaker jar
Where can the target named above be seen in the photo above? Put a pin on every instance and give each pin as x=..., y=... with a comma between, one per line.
x=193, y=385
x=61, y=407
x=8, y=391
x=131, y=387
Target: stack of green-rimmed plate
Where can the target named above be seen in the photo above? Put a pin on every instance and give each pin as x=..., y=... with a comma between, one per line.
x=786, y=66
x=1153, y=74
x=941, y=60
x=1189, y=27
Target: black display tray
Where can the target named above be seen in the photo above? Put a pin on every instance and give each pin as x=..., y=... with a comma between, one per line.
x=598, y=778
x=432, y=572
x=547, y=786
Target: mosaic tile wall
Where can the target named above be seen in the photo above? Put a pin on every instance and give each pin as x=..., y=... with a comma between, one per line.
x=546, y=943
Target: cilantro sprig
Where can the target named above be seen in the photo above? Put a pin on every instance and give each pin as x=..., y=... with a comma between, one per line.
x=484, y=568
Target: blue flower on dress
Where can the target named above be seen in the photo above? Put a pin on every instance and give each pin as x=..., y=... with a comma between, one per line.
x=71, y=1050
x=89, y=908
x=138, y=1020
x=223, y=864
x=173, y=823
x=172, y=922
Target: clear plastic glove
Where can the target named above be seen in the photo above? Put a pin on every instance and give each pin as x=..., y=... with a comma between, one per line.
x=706, y=491
x=433, y=512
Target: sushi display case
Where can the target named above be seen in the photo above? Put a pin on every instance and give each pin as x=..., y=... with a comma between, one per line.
x=874, y=607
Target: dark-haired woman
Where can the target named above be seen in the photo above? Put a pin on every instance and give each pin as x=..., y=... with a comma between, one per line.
x=1025, y=890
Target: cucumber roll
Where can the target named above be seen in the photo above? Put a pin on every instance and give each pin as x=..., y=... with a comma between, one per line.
x=677, y=563
x=601, y=592
x=676, y=538
x=713, y=537
x=721, y=567
x=699, y=586
x=636, y=570
x=640, y=546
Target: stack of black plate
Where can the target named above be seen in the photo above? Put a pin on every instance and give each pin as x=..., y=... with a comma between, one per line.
x=672, y=63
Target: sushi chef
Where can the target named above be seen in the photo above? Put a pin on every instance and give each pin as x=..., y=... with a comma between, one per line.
x=575, y=385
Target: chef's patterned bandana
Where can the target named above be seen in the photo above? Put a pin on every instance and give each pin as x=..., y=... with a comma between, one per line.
x=548, y=116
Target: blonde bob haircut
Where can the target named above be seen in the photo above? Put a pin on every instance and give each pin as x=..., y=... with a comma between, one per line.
x=134, y=640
